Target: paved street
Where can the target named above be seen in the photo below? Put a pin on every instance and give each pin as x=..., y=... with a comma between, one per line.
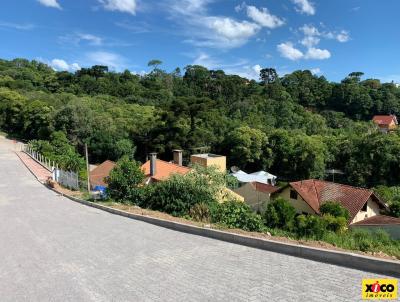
x=52, y=249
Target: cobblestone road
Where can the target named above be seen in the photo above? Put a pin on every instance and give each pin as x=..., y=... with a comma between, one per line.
x=52, y=249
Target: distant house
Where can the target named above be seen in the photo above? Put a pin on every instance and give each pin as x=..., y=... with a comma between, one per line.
x=157, y=170
x=308, y=195
x=256, y=194
x=385, y=123
x=100, y=173
x=209, y=159
x=389, y=224
x=260, y=177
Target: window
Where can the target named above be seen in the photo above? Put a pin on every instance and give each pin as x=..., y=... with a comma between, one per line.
x=364, y=208
x=293, y=194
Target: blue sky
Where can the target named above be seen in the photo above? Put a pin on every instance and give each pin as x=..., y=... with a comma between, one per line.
x=329, y=37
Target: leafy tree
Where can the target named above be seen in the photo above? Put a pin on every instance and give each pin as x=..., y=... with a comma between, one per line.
x=124, y=181
x=268, y=75
x=334, y=209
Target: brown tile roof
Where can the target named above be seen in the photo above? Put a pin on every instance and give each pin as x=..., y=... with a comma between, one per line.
x=100, y=172
x=316, y=192
x=384, y=119
x=379, y=220
x=264, y=188
x=164, y=169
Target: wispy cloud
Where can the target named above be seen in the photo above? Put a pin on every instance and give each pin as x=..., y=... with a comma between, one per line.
x=79, y=37
x=305, y=7
x=123, y=6
x=17, y=26
x=50, y=3
x=134, y=27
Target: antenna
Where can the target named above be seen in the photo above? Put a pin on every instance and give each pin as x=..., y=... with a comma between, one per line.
x=333, y=172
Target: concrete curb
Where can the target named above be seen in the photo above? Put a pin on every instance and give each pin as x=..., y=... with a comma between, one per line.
x=349, y=260
x=344, y=259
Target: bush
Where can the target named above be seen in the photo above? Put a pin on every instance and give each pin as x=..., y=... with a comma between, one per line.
x=124, y=180
x=200, y=212
x=280, y=214
x=310, y=226
x=335, y=224
x=394, y=209
x=238, y=215
x=178, y=194
x=335, y=209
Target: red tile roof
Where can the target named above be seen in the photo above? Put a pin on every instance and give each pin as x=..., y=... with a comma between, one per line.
x=379, y=220
x=384, y=119
x=264, y=188
x=164, y=169
x=98, y=174
x=316, y=192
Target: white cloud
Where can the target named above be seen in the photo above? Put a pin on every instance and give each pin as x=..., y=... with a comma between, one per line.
x=317, y=54
x=315, y=71
x=17, y=26
x=232, y=29
x=61, y=65
x=263, y=17
x=77, y=38
x=112, y=60
x=287, y=50
x=50, y=3
x=304, y=7
x=310, y=30
x=124, y=6
x=343, y=36
x=205, y=30
x=310, y=41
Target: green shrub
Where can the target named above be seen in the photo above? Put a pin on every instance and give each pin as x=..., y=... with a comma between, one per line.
x=178, y=194
x=280, y=214
x=363, y=240
x=335, y=224
x=394, y=209
x=310, y=226
x=238, y=215
x=335, y=209
x=124, y=181
x=200, y=212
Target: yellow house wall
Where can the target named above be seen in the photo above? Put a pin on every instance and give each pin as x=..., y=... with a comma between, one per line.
x=219, y=162
x=255, y=199
x=372, y=210
x=299, y=204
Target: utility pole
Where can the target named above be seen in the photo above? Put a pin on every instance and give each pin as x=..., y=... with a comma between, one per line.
x=87, y=168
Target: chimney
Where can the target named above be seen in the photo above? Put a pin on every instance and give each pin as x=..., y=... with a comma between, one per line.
x=153, y=161
x=177, y=154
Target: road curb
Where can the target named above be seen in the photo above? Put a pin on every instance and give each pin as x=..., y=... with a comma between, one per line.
x=344, y=259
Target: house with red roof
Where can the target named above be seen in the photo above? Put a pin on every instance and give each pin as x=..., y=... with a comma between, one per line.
x=385, y=123
x=308, y=195
x=98, y=175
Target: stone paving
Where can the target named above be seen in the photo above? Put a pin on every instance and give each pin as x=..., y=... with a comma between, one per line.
x=53, y=249
x=41, y=173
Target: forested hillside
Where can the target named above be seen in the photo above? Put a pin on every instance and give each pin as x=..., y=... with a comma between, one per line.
x=295, y=126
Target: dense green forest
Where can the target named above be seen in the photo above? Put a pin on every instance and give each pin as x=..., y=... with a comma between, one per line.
x=296, y=126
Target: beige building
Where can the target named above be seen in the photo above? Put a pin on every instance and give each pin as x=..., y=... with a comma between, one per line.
x=308, y=195
x=208, y=160
x=256, y=195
